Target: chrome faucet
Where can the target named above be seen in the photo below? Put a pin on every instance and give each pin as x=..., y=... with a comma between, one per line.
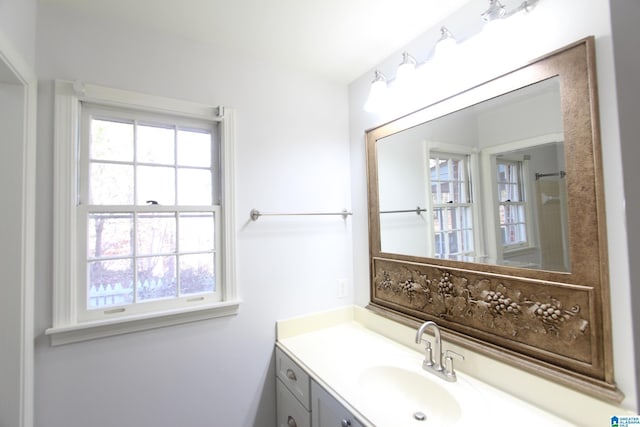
x=428, y=361
x=435, y=366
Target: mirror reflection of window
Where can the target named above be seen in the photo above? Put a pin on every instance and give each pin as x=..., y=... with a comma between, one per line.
x=451, y=205
x=511, y=204
x=528, y=214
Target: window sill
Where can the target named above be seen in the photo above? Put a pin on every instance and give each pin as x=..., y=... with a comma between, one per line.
x=105, y=328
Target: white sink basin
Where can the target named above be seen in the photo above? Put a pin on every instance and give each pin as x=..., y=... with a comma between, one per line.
x=401, y=397
x=382, y=382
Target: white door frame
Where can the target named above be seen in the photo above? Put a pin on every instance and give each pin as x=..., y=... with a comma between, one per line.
x=15, y=71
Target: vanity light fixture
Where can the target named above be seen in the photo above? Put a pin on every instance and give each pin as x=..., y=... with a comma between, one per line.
x=407, y=70
x=377, y=94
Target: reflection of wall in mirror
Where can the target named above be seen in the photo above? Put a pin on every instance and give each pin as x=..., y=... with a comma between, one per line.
x=550, y=193
x=531, y=117
x=402, y=186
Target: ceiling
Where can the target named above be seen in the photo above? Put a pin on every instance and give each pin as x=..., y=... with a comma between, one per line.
x=336, y=39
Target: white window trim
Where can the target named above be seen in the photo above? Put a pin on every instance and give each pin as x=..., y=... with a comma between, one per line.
x=66, y=326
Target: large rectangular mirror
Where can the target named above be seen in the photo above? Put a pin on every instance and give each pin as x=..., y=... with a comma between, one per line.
x=486, y=214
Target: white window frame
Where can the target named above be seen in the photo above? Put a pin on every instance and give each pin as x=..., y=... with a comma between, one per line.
x=67, y=324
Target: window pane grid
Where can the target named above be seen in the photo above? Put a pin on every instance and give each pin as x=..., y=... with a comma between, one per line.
x=158, y=274
x=453, y=230
x=138, y=201
x=152, y=170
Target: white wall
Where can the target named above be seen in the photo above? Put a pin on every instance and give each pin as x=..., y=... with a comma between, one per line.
x=18, y=24
x=292, y=155
x=552, y=26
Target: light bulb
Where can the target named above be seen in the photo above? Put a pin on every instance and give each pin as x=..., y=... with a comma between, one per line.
x=406, y=70
x=378, y=94
x=446, y=45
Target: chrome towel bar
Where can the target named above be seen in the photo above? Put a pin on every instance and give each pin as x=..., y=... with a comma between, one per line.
x=417, y=211
x=255, y=214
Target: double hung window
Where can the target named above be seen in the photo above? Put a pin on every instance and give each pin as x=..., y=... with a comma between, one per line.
x=144, y=230
x=451, y=204
x=511, y=204
x=149, y=205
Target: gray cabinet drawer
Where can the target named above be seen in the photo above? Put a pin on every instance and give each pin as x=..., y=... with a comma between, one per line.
x=294, y=378
x=290, y=411
x=328, y=412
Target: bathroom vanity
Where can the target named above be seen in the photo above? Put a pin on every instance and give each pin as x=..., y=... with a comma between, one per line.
x=352, y=367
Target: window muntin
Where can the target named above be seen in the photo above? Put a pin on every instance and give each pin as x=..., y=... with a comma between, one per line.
x=511, y=204
x=152, y=228
x=451, y=203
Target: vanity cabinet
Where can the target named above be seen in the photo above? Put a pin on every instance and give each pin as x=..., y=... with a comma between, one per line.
x=301, y=402
x=326, y=411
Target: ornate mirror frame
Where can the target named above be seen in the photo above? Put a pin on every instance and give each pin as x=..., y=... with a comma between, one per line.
x=554, y=324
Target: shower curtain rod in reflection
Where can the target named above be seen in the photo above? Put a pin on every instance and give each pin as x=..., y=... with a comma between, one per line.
x=417, y=211
x=255, y=214
x=561, y=174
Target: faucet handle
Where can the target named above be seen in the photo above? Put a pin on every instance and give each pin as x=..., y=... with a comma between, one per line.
x=428, y=354
x=448, y=362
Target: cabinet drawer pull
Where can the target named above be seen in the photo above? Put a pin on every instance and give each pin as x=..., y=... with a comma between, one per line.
x=345, y=423
x=291, y=375
x=291, y=422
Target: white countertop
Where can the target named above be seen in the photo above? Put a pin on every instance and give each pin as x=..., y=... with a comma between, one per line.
x=347, y=357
